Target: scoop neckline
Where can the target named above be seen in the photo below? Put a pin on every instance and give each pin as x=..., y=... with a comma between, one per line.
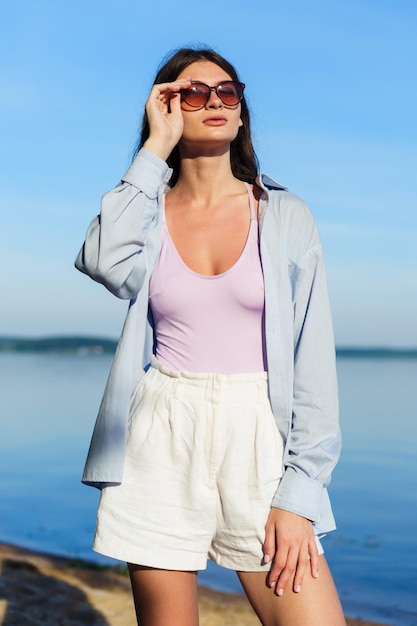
x=253, y=220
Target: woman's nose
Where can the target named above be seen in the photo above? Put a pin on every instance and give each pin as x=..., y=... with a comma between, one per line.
x=214, y=100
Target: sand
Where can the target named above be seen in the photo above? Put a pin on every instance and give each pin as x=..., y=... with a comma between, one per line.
x=41, y=590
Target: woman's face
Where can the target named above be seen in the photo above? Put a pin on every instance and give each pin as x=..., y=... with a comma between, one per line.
x=214, y=125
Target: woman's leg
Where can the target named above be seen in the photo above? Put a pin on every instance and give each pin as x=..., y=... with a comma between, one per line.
x=317, y=604
x=164, y=597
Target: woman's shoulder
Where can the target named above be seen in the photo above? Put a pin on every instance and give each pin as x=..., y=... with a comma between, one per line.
x=282, y=202
x=285, y=217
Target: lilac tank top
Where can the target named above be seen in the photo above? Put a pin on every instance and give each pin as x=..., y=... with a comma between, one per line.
x=210, y=324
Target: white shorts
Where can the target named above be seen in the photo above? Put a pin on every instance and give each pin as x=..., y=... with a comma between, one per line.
x=203, y=462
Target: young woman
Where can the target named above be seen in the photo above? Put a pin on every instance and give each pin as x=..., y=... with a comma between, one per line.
x=218, y=429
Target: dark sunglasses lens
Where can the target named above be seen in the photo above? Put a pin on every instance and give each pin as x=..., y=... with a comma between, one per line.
x=230, y=93
x=196, y=95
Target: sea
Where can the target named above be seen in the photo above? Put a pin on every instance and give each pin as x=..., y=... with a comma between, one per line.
x=48, y=404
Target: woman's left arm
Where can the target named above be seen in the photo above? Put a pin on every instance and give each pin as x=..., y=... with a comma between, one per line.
x=314, y=441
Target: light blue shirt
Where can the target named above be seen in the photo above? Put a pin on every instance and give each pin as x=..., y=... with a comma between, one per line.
x=120, y=250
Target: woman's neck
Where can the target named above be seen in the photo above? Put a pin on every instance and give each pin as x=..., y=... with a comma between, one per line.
x=205, y=178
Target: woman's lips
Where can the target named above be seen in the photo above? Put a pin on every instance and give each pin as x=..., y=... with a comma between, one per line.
x=215, y=121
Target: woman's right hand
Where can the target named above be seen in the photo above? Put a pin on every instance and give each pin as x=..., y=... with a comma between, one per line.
x=164, y=113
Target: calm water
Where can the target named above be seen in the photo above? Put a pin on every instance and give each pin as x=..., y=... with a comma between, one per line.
x=47, y=409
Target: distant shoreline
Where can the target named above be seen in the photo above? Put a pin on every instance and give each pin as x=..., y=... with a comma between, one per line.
x=58, y=344
x=87, y=345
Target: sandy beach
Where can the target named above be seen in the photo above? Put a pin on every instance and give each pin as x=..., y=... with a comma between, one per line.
x=42, y=590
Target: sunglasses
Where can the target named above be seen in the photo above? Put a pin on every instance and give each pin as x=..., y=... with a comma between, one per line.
x=230, y=93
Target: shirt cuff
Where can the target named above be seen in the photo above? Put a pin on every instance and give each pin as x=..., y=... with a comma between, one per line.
x=147, y=172
x=299, y=494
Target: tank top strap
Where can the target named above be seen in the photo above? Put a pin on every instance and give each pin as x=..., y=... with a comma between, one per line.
x=251, y=201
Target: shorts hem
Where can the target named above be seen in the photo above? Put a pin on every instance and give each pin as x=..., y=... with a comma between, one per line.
x=139, y=557
x=242, y=564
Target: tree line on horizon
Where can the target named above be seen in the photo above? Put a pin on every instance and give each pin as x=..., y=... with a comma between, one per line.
x=101, y=345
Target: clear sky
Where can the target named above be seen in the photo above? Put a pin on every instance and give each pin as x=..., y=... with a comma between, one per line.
x=333, y=93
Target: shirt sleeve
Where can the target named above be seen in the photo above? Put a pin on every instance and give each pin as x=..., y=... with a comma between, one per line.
x=314, y=442
x=114, y=251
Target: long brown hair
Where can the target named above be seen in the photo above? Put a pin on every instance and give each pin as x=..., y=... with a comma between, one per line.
x=243, y=160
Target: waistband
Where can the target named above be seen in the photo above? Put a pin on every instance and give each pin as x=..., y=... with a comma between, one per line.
x=230, y=378
x=247, y=387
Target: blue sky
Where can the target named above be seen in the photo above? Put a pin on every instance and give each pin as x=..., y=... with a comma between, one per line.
x=333, y=93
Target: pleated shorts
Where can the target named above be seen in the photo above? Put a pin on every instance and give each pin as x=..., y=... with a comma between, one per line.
x=203, y=462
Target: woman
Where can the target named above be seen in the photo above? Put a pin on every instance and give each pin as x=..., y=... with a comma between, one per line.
x=225, y=446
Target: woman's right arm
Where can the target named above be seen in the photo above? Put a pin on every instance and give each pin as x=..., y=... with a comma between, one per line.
x=114, y=251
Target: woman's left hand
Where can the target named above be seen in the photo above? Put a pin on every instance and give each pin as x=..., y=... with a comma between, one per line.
x=291, y=547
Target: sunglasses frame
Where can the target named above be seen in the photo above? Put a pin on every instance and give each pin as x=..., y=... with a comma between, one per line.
x=215, y=89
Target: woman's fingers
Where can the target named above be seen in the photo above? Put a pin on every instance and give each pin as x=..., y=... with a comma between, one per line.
x=175, y=85
x=269, y=546
x=301, y=568
x=314, y=557
x=163, y=92
x=288, y=564
x=282, y=570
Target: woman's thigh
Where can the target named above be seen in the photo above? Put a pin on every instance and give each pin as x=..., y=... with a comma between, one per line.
x=317, y=604
x=164, y=597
